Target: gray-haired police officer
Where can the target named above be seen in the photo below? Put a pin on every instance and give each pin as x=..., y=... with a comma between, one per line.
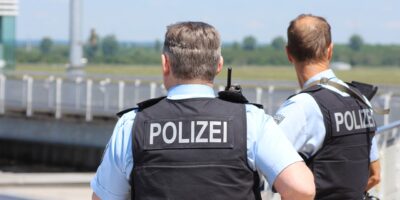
x=192, y=145
x=329, y=122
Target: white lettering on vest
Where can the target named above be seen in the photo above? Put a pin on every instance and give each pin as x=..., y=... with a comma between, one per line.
x=164, y=132
x=354, y=120
x=181, y=139
x=153, y=132
x=215, y=131
x=200, y=132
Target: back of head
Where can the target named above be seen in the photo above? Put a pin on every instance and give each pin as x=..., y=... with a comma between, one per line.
x=193, y=49
x=309, y=38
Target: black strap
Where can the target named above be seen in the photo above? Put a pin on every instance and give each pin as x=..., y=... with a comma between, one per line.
x=236, y=97
x=352, y=92
x=120, y=113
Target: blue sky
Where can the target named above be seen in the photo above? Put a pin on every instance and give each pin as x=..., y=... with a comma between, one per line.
x=145, y=20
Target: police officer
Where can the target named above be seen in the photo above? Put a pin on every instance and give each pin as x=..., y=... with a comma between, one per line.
x=192, y=145
x=329, y=122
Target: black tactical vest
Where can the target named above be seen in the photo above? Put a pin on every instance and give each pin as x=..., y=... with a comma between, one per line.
x=341, y=166
x=191, y=149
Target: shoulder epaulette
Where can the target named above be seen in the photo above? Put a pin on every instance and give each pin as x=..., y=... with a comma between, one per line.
x=142, y=105
x=307, y=90
x=365, y=89
x=120, y=113
x=145, y=104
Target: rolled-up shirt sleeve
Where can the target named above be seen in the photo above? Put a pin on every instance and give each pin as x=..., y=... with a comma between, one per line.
x=112, y=177
x=270, y=151
x=374, y=155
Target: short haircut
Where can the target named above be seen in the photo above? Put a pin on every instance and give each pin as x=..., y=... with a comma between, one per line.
x=309, y=37
x=193, y=49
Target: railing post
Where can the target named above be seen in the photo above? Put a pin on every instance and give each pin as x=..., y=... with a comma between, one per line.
x=78, y=82
x=136, y=92
x=271, y=89
x=259, y=92
x=89, y=85
x=121, y=86
x=2, y=93
x=104, y=89
x=163, y=90
x=24, y=90
x=29, y=96
x=386, y=104
x=50, y=92
x=153, y=87
x=58, y=97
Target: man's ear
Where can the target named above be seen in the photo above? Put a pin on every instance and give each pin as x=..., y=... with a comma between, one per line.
x=330, y=51
x=220, y=64
x=166, y=66
x=289, y=56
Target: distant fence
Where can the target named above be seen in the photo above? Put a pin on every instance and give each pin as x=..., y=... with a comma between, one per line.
x=89, y=97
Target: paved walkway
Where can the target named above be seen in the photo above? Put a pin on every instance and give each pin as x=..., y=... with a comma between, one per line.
x=45, y=186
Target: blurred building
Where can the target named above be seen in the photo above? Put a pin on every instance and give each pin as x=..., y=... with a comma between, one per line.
x=340, y=66
x=8, y=13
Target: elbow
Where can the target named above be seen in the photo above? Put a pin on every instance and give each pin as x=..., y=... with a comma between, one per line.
x=375, y=180
x=304, y=192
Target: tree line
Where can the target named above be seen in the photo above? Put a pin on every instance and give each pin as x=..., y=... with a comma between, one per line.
x=108, y=50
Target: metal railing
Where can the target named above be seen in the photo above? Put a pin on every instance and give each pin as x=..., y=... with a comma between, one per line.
x=389, y=147
x=90, y=97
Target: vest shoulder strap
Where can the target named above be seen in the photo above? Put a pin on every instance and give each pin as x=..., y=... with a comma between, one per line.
x=122, y=112
x=236, y=97
x=145, y=104
x=365, y=89
x=307, y=90
x=142, y=105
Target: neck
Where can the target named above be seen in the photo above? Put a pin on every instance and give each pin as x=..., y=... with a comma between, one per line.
x=192, y=81
x=307, y=71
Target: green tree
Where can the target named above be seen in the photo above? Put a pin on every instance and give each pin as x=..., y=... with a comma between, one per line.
x=157, y=45
x=93, y=45
x=278, y=43
x=45, y=45
x=109, y=47
x=249, y=43
x=235, y=45
x=356, y=42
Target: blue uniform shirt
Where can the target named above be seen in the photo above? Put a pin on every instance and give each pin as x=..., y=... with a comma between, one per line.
x=301, y=119
x=268, y=150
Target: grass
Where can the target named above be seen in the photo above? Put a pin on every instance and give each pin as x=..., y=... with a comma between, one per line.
x=374, y=75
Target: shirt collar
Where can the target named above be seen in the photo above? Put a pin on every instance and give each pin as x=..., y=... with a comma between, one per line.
x=324, y=74
x=186, y=91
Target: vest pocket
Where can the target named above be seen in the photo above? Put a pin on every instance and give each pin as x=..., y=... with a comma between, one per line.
x=341, y=179
x=193, y=181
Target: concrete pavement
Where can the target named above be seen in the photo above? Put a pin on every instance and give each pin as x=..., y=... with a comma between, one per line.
x=45, y=186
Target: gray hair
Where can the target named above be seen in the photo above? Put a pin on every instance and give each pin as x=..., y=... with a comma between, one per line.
x=193, y=49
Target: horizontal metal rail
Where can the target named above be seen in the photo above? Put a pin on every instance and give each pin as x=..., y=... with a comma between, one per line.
x=383, y=129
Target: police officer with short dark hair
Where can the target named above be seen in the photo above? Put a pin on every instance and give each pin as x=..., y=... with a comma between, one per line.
x=194, y=145
x=329, y=122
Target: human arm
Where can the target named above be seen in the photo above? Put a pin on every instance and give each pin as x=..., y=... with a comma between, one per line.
x=95, y=197
x=112, y=177
x=302, y=122
x=272, y=154
x=374, y=168
x=374, y=174
x=295, y=182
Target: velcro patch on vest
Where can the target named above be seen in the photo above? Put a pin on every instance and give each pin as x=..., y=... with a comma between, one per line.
x=345, y=122
x=187, y=134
